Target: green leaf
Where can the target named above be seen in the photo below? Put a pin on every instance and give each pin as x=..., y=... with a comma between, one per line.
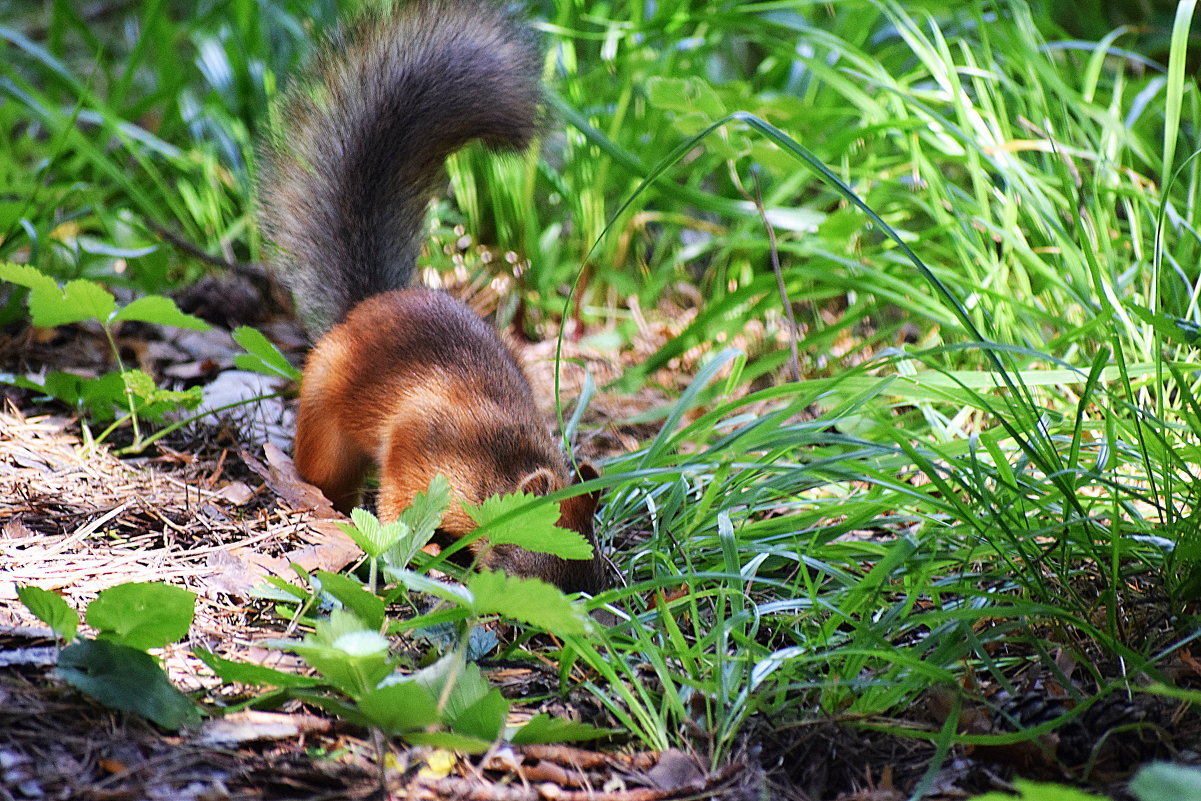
x=530, y=600
x=416, y=582
x=154, y=401
x=370, y=535
x=422, y=519
x=1161, y=781
x=542, y=728
x=261, y=355
x=451, y=741
x=29, y=277
x=79, y=300
x=100, y=396
x=1038, y=791
x=50, y=608
x=160, y=311
x=126, y=678
x=368, y=607
x=148, y=615
x=400, y=707
x=352, y=658
x=246, y=673
x=468, y=683
x=484, y=718
x=532, y=527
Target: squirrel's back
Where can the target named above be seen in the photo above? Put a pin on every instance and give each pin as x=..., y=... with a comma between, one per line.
x=356, y=151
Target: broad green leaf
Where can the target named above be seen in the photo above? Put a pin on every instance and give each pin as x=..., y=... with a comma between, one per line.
x=160, y=311
x=126, y=678
x=468, y=684
x=529, y=600
x=148, y=615
x=1161, y=781
x=77, y=301
x=246, y=673
x=87, y=298
x=533, y=528
x=99, y=396
x=29, y=277
x=368, y=607
x=352, y=658
x=542, y=728
x=261, y=355
x=400, y=707
x=50, y=608
x=354, y=671
x=483, y=718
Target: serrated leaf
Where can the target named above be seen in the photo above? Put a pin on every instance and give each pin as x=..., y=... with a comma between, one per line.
x=542, y=729
x=50, y=608
x=400, y=707
x=77, y=301
x=90, y=299
x=533, y=527
x=160, y=311
x=367, y=607
x=371, y=535
x=29, y=277
x=153, y=401
x=529, y=600
x=126, y=678
x=261, y=355
x=467, y=683
x=246, y=673
x=421, y=519
x=148, y=615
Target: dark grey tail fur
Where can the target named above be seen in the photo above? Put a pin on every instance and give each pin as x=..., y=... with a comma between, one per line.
x=357, y=153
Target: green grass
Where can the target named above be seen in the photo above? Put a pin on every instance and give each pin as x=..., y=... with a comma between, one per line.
x=1015, y=479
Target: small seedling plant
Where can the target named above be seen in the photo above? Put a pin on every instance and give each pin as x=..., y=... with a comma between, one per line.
x=128, y=390
x=447, y=702
x=127, y=395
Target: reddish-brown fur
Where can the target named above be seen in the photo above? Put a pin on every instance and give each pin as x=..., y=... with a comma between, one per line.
x=415, y=383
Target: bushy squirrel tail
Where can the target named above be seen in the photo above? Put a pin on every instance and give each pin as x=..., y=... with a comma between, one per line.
x=357, y=148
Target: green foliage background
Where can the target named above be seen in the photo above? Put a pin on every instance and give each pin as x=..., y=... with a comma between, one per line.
x=987, y=226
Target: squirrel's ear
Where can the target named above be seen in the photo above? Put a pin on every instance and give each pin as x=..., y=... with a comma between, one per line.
x=539, y=482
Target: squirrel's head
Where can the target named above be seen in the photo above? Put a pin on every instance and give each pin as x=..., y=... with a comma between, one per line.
x=575, y=513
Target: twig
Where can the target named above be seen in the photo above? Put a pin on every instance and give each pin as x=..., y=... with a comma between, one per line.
x=246, y=268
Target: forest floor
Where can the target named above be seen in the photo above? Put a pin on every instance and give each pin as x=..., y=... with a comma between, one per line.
x=217, y=509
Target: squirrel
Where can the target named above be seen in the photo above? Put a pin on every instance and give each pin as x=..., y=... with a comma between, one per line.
x=403, y=378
